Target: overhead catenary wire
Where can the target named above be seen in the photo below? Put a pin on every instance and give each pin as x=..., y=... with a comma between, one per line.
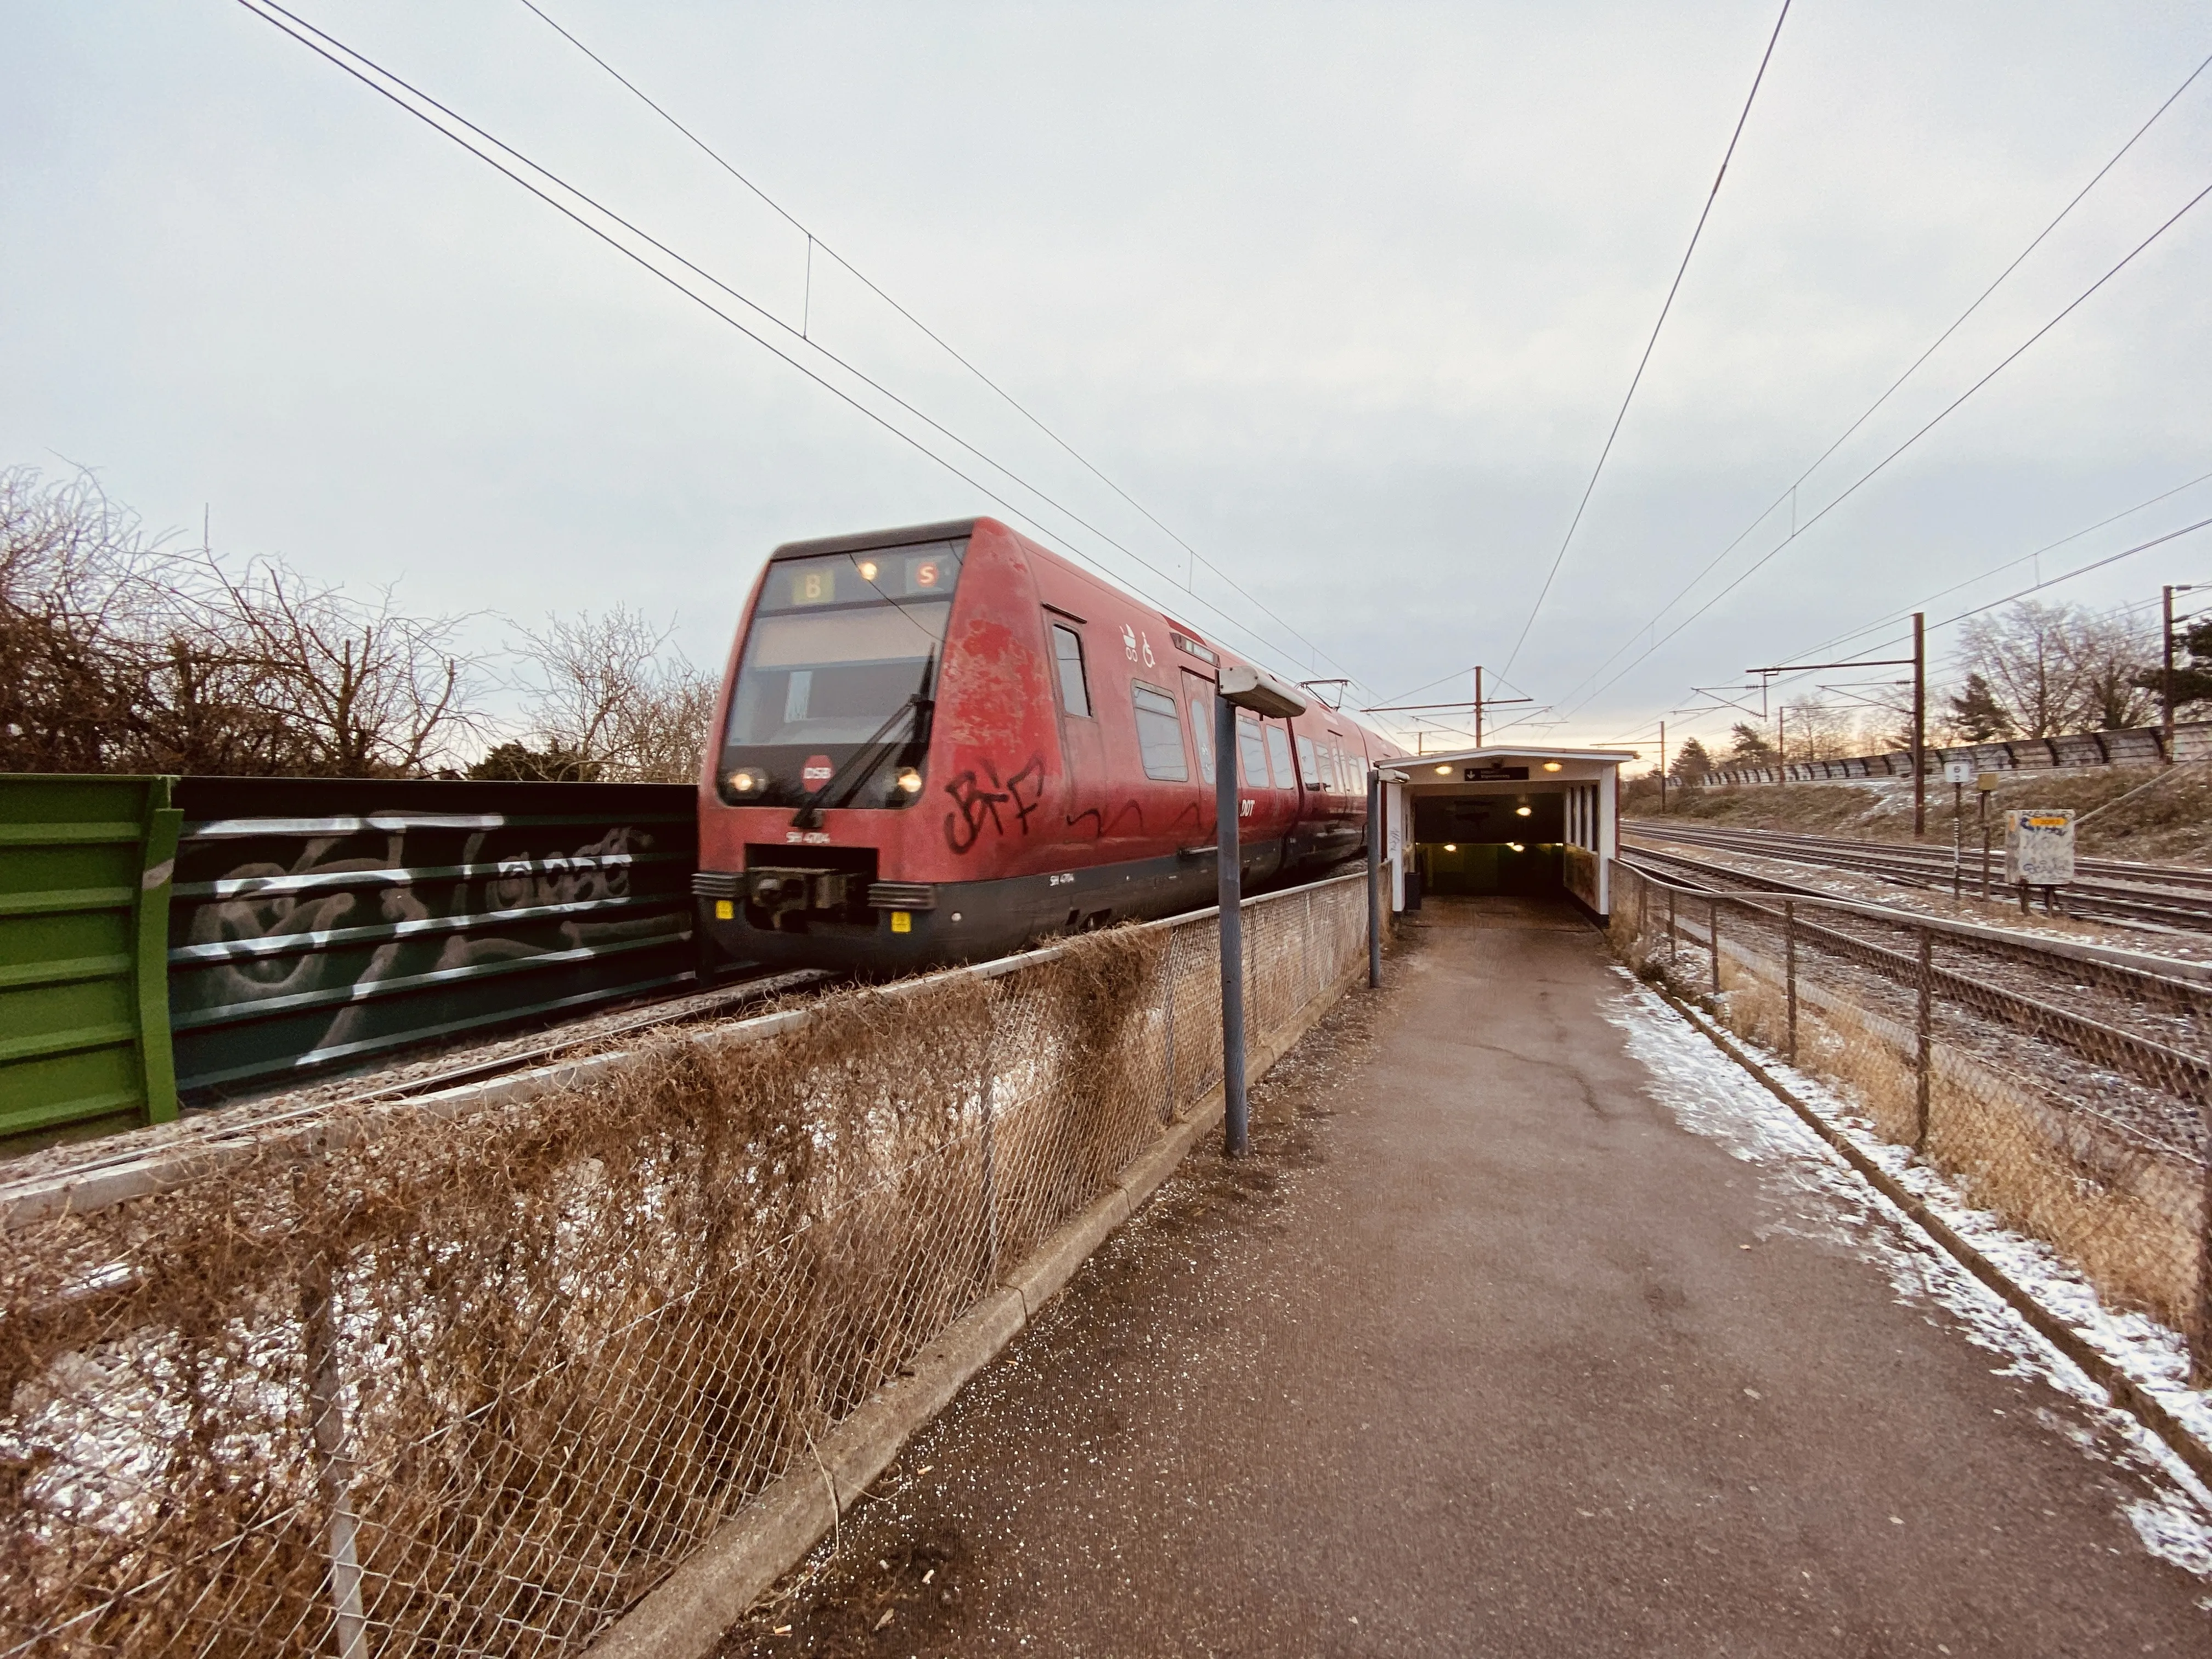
x=329, y=47
x=1642, y=362
x=1790, y=492
x=1835, y=641
x=814, y=242
x=2037, y=587
x=1871, y=472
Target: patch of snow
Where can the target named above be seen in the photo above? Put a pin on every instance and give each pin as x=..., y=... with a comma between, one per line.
x=1820, y=1196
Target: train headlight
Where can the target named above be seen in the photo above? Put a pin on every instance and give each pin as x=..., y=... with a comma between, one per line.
x=909, y=780
x=867, y=570
x=744, y=783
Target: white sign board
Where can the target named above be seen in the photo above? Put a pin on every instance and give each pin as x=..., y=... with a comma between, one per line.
x=1958, y=771
x=2040, y=848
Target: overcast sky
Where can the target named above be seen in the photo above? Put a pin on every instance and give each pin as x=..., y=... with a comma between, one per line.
x=1347, y=297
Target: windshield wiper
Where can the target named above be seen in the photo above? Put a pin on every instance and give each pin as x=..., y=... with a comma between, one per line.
x=809, y=816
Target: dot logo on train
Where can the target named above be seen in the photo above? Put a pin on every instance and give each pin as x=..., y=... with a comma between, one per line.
x=944, y=743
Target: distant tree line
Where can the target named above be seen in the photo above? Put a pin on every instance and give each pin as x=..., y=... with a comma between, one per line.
x=120, y=653
x=2032, y=669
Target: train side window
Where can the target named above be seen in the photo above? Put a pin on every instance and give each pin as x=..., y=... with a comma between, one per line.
x=1159, y=735
x=1279, y=754
x=1067, y=661
x=1200, y=695
x=1252, y=750
x=1309, y=763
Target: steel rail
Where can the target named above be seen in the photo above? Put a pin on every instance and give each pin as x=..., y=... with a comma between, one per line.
x=2180, y=988
x=1931, y=868
x=2158, y=1064
x=2133, y=871
x=2127, y=872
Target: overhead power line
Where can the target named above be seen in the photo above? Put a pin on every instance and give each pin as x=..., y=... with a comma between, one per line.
x=814, y=241
x=1642, y=362
x=2012, y=357
x=1836, y=641
x=329, y=47
x=1788, y=493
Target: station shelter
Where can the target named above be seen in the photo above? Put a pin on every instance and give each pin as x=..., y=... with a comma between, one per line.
x=1520, y=822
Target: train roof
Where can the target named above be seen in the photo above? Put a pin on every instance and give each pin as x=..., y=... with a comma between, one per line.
x=947, y=529
x=905, y=535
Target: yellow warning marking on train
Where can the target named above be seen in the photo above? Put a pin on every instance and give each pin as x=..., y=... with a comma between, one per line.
x=725, y=911
x=902, y=921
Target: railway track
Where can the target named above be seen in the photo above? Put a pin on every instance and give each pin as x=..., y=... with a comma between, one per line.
x=2126, y=1045
x=2173, y=896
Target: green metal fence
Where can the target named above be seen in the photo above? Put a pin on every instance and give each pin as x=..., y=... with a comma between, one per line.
x=216, y=936
x=86, y=865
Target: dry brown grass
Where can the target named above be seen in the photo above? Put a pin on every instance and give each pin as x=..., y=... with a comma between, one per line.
x=2121, y=1214
x=551, y=1346
x=574, y=1334
x=2171, y=823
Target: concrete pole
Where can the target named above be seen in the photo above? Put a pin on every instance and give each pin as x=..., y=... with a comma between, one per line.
x=1228, y=889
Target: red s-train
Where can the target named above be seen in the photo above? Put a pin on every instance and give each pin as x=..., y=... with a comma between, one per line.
x=939, y=743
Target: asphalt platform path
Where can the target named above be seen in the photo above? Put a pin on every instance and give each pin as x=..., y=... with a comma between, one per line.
x=1481, y=1354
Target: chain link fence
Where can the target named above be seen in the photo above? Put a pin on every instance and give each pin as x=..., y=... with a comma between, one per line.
x=470, y=1375
x=2069, y=1094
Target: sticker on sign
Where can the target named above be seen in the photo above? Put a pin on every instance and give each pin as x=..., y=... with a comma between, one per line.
x=2040, y=848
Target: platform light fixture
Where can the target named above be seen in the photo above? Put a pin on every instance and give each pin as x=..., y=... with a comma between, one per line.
x=1451, y=847
x=1522, y=811
x=1551, y=766
x=1516, y=846
x=1443, y=771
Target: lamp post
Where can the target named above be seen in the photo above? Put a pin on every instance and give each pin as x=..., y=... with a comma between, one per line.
x=1378, y=830
x=1260, y=692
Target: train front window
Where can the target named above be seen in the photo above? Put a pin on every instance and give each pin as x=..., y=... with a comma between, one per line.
x=833, y=678
x=843, y=651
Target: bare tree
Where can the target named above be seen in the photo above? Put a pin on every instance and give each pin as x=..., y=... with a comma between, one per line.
x=2049, y=669
x=608, y=701
x=364, y=689
x=117, y=654
x=69, y=560
x=2022, y=654
x=2110, y=656
x=1815, y=729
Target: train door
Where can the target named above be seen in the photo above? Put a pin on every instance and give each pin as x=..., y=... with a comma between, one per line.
x=1082, y=753
x=1263, y=819
x=1198, y=715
